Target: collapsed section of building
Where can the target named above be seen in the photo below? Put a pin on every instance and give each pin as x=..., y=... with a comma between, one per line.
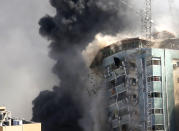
x=142, y=84
x=8, y=123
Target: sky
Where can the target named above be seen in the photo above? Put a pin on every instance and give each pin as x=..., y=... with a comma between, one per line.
x=164, y=14
x=25, y=68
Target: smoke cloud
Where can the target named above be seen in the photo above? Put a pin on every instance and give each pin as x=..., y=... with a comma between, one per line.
x=25, y=66
x=77, y=21
x=67, y=107
x=100, y=41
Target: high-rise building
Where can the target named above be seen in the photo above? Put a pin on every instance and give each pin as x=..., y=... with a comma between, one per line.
x=142, y=84
x=8, y=123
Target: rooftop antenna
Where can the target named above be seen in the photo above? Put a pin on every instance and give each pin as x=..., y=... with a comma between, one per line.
x=148, y=19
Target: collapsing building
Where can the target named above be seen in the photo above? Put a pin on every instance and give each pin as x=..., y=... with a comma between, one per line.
x=142, y=84
x=7, y=123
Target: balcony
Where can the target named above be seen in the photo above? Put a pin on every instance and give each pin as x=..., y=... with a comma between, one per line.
x=115, y=123
x=125, y=119
x=120, y=106
x=116, y=90
x=121, y=88
x=113, y=76
x=119, y=71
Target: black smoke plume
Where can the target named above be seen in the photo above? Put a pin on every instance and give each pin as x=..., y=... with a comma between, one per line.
x=75, y=24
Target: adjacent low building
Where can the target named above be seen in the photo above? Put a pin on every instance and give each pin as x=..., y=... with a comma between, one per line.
x=142, y=84
x=8, y=123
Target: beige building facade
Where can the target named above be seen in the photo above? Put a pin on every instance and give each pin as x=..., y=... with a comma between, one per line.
x=8, y=123
x=24, y=127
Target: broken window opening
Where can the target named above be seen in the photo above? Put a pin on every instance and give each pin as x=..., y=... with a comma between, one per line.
x=124, y=127
x=123, y=112
x=122, y=96
x=133, y=81
x=112, y=99
x=117, y=62
x=120, y=80
x=116, y=129
x=155, y=95
x=112, y=84
x=113, y=91
x=134, y=96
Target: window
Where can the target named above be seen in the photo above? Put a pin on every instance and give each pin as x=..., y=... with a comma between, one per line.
x=174, y=66
x=112, y=84
x=134, y=96
x=177, y=64
x=149, y=128
x=122, y=96
x=155, y=95
x=1, y=117
x=113, y=91
x=153, y=62
x=113, y=67
x=133, y=81
x=158, y=127
x=156, y=62
x=112, y=99
x=124, y=127
x=117, y=62
x=123, y=112
x=177, y=80
x=116, y=129
x=154, y=78
x=120, y=80
x=157, y=111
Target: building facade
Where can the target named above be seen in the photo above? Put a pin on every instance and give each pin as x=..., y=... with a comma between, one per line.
x=7, y=123
x=142, y=85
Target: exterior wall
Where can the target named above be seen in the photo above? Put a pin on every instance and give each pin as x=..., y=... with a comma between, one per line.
x=167, y=57
x=25, y=127
x=12, y=128
x=32, y=127
x=160, y=87
x=176, y=91
x=171, y=55
x=134, y=117
x=156, y=94
x=166, y=103
x=176, y=82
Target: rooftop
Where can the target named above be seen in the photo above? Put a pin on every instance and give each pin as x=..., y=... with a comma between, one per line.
x=7, y=120
x=131, y=43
